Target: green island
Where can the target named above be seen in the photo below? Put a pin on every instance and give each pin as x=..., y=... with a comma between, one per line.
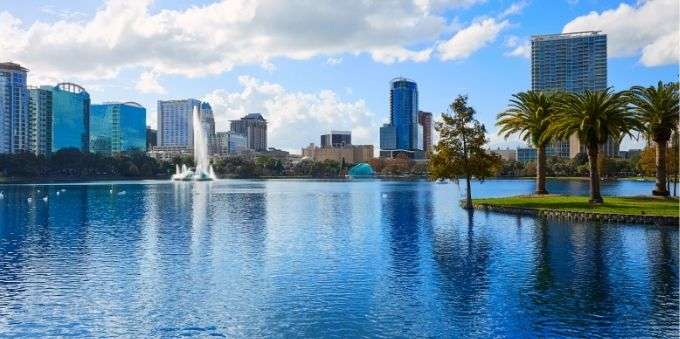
x=633, y=206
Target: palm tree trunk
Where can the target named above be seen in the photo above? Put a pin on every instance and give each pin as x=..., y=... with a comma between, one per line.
x=595, y=196
x=661, y=190
x=468, y=194
x=540, y=171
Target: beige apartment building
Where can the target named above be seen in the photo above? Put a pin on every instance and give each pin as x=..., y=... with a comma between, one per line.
x=351, y=154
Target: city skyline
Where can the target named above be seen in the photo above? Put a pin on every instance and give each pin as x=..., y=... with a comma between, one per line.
x=338, y=82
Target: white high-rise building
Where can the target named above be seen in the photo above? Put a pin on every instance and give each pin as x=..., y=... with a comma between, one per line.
x=15, y=124
x=175, y=126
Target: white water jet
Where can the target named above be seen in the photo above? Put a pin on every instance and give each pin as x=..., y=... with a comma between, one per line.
x=203, y=170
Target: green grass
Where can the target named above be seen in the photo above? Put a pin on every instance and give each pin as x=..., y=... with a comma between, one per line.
x=667, y=207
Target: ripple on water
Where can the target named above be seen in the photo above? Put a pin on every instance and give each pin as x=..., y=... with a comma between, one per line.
x=238, y=258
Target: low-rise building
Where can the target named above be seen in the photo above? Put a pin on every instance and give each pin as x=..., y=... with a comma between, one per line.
x=230, y=143
x=167, y=153
x=349, y=154
x=507, y=154
x=526, y=154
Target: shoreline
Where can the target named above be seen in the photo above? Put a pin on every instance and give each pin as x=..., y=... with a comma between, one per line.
x=628, y=209
x=11, y=181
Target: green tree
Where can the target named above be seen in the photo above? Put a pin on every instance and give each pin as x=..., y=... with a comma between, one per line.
x=657, y=110
x=595, y=117
x=528, y=116
x=460, y=151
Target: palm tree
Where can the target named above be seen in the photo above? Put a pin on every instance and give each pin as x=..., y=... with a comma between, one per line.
x=657, y=110
x=528, y=116
x=595, y=117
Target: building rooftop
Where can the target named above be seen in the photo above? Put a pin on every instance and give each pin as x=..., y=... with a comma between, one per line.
x=12, y=67
x=71, y=88
x=398, y=79
x=559, y=36
x=256, y=116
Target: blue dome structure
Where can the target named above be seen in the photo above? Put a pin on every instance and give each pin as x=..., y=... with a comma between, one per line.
x=362, y=170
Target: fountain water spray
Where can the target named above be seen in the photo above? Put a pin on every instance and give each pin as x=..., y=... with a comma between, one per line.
x=204, y=170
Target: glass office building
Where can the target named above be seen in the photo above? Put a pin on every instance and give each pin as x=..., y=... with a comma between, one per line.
x=336, y=139
x=117, y=127
x=70, y=117
x=404, y=112
x=40, y=107
x=572, y=62
x=388, y=137
x=14, y=109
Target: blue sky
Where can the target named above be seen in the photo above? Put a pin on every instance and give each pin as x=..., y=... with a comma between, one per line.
x=311, y=66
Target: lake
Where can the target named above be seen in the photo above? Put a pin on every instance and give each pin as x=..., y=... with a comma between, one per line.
x=294, y=258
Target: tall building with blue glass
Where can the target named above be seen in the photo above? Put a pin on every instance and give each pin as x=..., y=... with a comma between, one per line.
x=402, y=132
x=70, y=117
x=117, y=127
x=404, y=112
x=571, y=62
x=14, y=109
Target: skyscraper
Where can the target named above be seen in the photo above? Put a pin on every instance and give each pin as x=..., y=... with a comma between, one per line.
x=254, y=127
x=404, y=112
x=403, y=126
x=14, y=111
x=572, y=62
x=151, y=138
x=70, y=117
x=207, y=119
x=40, y=106
x=117, y=127
x=425, y=120
x=175, y=123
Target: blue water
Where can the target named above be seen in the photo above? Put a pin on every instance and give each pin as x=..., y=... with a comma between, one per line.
x=285, y=258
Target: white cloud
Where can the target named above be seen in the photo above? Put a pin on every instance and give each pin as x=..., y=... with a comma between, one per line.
x=518, y=47
x=333, y=61
x=663, y=51
x=430, y=6
x=472, y=38
x=213, y=38
x=295, y=119
x=649, y=28
x=148, y=83
x=392, y=54
x=514, y=9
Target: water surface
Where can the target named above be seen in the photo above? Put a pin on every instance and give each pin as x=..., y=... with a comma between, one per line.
x=287, y=258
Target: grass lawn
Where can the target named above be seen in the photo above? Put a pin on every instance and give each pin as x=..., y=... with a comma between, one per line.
x=667, y=207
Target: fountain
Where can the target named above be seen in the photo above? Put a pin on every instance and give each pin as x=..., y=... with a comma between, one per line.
x=203, y=170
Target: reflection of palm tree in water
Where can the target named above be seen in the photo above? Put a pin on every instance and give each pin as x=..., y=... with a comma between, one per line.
x=663, y=268
x=543, y=273
x=571, y=281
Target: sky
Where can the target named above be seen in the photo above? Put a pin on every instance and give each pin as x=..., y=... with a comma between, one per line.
x=310, y=66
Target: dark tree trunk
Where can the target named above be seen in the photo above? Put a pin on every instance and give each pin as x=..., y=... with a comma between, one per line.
x=595, y=196
x=540, y=171
x=468, y=194
x=661, y=190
